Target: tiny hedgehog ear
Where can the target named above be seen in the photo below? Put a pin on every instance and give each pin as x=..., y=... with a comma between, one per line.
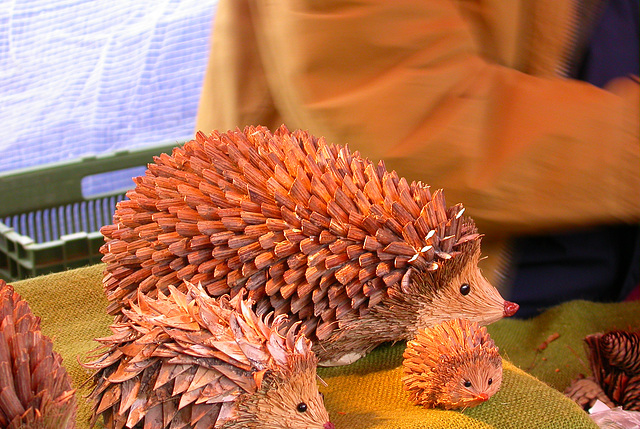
x=405, y=284
x=302, y=345
x=259, y=376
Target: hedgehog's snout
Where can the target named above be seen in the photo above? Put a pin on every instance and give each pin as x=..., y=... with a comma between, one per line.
x=482, y=397
x=329, y=425
x=510, y=308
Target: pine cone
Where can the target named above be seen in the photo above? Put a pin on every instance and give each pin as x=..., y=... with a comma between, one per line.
x=622, y=350
x=585, y=391
x=452, y=365
x=631, y=397
x=615, y=362
x=188, y=360
x=35, y=389
x=307, y=229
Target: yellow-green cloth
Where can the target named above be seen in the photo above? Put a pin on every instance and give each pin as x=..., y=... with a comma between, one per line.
x=369, y=393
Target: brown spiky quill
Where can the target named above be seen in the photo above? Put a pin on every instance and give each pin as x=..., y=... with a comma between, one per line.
x=452, y=365
x=189, y=360
x=614, y=358
x=307, y=229
x=35, y=389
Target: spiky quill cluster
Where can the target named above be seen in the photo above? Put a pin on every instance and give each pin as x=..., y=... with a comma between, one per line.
x=614, y=358
x=35, y=389
x=452, y=365
x=308, y=229
x=188, y=360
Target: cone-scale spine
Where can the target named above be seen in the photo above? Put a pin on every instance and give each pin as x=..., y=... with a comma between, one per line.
x=35, y=389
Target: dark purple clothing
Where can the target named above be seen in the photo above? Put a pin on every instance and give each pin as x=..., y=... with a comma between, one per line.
x=614, y=49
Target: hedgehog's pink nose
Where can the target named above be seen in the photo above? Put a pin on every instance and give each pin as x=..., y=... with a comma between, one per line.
x=482, y=397
x=329, y=425
x=510, y=308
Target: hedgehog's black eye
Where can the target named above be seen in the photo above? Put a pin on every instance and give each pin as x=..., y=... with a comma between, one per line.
x=302, y=407
x=465, y=289
x=490, y=381
x=467, y=383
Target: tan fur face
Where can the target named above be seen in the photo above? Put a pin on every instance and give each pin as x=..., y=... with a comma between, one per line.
x=286, y=400
x=466, y=295
x=473, y=383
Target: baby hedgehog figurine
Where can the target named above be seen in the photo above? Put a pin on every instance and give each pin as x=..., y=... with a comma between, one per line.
x=307, y=229
x=35, y=389
x=452, y=365
x=187, y=360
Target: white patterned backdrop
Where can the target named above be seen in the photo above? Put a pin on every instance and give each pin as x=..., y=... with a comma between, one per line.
x=89, y=77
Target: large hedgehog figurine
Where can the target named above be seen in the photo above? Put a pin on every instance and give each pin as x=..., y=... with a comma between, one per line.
x=35, y=389
x=310, y=230
x=452, y=365
x=189, y=360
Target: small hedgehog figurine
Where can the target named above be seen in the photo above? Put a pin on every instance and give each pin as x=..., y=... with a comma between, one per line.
x=452, y=365
x=189, y=360
x=35, y=389
x=307, y=229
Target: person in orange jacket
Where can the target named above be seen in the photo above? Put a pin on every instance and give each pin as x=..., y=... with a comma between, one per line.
x=482, y=99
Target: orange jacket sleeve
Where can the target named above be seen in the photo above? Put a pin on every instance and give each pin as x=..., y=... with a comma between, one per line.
x=408, y=82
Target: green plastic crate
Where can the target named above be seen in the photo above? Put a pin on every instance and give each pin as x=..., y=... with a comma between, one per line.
x=47, y=224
